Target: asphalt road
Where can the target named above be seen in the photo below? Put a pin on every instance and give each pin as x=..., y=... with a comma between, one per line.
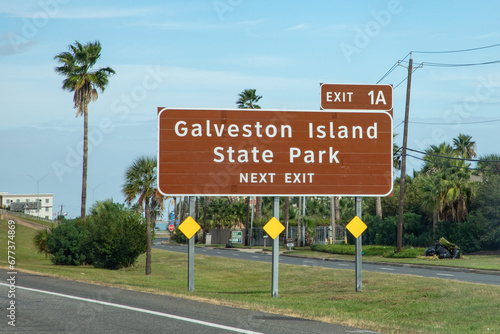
x=51, y=305
x=464, y=275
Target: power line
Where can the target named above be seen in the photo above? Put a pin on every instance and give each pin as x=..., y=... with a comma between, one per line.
x=389, y=71
x=462, y=167
x=463, y=50
x=440, y=123
x=451, y=158
x=416, y=68
x=461, y=65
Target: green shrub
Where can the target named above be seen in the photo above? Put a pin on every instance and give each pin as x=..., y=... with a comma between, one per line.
x=178, y=237
x=406, y=252
x=67, y=243
x=346, y=249
x=118, y=235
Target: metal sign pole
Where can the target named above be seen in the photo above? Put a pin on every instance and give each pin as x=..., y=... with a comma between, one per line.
x=276, y=245
x=191, y=248
x=359, y=283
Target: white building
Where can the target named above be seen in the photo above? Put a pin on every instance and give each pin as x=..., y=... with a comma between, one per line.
x=28, y=204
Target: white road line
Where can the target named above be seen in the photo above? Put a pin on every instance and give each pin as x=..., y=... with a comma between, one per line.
x=383, y=268
x=343, y=265
x=447, y=275
x=255, y=256
x=130, y=308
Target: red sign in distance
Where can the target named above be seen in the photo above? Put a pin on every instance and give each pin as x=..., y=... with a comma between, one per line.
x=171, y=227
x=356, y=97
x=220, y=152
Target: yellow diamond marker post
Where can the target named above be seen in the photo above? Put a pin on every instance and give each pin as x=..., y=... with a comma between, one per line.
x=274, y=228
x=356, y=227
x=189, y=227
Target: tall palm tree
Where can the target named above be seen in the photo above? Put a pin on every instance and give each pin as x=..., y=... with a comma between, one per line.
x=140, y=184
x=82, y=79
x=248, y=99
x=465, y=146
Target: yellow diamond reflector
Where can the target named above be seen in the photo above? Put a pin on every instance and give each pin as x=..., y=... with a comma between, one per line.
x=274, y=228
x=356, y=227
x=189, y=227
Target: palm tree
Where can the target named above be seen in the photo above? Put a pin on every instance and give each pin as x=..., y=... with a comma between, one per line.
x=446, y=182
x=464, y=146
x=489, y=164
x=140, y=184
x=41, y=241
x=248, y=99
x=81, y=78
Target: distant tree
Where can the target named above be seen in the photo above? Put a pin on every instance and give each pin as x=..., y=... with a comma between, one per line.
x=140, y=185
x=82, y=79
x=489, y=164
x=248, y=99
x=464, y=146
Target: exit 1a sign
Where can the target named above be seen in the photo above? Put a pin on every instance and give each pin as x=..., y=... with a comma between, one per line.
x=356, y=97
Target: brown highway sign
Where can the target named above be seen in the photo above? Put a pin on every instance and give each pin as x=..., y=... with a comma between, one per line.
x=221, y=152
x=356, y=97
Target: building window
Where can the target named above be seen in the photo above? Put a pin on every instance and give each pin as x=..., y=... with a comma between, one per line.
x=27, y=200
x=46, y=209
x=47, y=200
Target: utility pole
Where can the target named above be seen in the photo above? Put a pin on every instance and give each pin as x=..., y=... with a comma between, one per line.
x=38, y=205
x=403, y=158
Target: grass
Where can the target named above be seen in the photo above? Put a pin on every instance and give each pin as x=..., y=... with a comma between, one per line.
x=481, y=262
x=388, y=303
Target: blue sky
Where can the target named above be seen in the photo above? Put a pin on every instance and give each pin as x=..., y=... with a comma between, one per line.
x=201, y=54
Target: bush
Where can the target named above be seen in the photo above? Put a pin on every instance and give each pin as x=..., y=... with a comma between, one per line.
x=384, y=231
x=118, y=235
x=67, y=244
x=406, y=252
x=346, y=249
x=178, y=237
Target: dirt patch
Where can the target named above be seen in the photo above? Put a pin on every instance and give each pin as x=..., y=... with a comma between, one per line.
x=23, y=222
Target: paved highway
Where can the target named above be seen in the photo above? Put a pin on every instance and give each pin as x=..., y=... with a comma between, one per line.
x=464, y=275
x=51, y=305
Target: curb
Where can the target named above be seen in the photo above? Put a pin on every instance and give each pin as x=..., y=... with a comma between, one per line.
x=420, y=266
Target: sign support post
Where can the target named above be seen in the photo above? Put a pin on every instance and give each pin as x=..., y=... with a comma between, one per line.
x=191, y=248
x=276, y=250
x=359, y=280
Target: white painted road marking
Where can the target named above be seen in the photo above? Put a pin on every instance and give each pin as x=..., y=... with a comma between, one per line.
x=136, y=309
x=387, y=269
x=447, y=275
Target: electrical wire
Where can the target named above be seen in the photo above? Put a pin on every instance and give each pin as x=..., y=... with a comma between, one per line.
x=461, y=65
x=452, y=158
x=439, y=123
x=389, y=71
x=468, y=168
x=463, y=50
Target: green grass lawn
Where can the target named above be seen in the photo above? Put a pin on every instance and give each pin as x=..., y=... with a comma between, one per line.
x=388, y=303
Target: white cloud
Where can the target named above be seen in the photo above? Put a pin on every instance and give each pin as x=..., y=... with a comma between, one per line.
x=302, y=26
